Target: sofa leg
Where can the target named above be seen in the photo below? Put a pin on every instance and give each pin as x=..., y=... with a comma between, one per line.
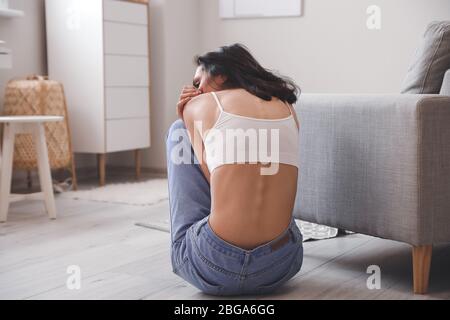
x=421, y=267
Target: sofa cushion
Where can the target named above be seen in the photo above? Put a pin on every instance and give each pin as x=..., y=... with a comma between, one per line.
x=431, y=60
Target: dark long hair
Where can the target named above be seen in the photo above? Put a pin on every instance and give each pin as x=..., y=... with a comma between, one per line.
x=241, y=70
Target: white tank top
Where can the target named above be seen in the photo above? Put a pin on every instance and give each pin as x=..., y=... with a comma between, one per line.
x=236, y=139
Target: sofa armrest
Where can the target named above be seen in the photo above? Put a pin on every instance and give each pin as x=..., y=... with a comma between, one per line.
x=445, y=89
x=376, y=164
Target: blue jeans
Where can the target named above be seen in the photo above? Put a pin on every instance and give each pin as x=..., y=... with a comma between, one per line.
x=198, y=255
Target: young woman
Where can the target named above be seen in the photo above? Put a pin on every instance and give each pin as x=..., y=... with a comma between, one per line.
x=232, y=169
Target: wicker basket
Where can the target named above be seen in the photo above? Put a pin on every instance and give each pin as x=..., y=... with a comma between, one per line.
x=39, y=96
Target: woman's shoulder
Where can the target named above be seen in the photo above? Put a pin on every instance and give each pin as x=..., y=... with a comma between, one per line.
x=201, y=102
x=200, y=106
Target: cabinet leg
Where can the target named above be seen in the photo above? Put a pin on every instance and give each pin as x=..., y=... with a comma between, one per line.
x=74, y=175
x=101, y=159
x=137, y=158
x=421, y=268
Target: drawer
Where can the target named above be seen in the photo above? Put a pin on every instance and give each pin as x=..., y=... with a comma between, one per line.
x=126, y=71
x=128, y=134
x=128, y=39
x=124, y=103
x=122, y=11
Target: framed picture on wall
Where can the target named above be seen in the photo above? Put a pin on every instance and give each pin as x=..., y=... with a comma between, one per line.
x=239, y=9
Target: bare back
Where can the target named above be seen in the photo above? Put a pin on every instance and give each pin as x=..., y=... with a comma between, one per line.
x=248, y=209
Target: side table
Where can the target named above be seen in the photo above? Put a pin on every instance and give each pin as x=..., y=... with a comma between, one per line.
x=33, y=125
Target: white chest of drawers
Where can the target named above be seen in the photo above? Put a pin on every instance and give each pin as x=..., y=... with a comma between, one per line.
x=99, y=50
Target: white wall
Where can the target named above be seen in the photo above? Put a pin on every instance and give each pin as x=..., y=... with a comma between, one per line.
x=174, y=41
x=174, y=34
x=26, y=37
x=330, y=49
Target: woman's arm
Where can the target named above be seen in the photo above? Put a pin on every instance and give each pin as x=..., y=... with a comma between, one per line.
x=196, y=121
x=187, y=93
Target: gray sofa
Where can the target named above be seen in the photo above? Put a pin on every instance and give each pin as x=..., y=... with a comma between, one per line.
x=379, y=165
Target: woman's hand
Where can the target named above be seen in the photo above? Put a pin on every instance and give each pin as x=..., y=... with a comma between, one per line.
x=187, y=94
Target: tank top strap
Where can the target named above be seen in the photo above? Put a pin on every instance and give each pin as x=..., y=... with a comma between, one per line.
x=217, y=100
x=289, y=106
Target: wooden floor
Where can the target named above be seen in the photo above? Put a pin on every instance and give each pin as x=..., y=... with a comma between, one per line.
x=119, y=260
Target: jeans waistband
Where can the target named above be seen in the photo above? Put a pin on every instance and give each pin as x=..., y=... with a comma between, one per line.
x=290, y=235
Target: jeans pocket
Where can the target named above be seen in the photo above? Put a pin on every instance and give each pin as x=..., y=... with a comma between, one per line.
x=292, y=270
x=189, y=273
